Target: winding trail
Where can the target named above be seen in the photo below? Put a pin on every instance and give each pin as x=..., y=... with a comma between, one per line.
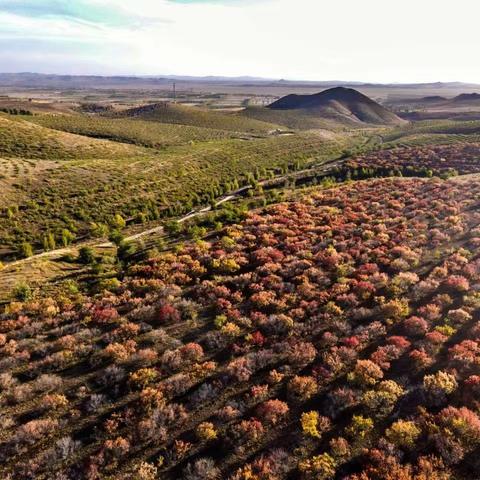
x=322, y=169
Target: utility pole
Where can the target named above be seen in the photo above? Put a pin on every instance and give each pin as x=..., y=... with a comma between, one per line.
x=174, y=93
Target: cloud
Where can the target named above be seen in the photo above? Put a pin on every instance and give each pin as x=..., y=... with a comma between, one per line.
x=310, y=39
x=98, y=12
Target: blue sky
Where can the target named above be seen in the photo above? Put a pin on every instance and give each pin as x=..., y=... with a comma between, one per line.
x=368, y=40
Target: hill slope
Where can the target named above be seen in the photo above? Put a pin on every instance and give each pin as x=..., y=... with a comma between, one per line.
x=294, y=119
x=197, y=117
x=24, y=139
x=344, y=105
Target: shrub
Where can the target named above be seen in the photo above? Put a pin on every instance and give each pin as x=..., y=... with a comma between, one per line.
x=313, y=424
x=34, y=430
x=320, y=467
x=22, y=292
x=146, y=471
x=382, y=401
x=143, y=377
x=202, y=469
x=438, y=385
x=360, y=427
x=86, y=255
x=365, y=373
x=416, y=326
x=25, y=250
x=206, y=431
x=272, y=410
x=339, y=447
x=457, y=283
x=67, y=237
x=403, y=434
x=463, y=424
x=302, y=388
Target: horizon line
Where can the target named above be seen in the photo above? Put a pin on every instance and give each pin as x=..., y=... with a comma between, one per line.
x=234, y=77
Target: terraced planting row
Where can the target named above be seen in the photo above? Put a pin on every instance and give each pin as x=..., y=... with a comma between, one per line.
x=79, y=195
x=335, y=336
x=450, y=159
x=135, y=131
x=22, y=139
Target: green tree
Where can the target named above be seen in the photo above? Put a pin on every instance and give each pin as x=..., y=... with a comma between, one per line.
x=49, y=241
x=67, y=237
x=119, y=222
x=86, y=255
x=26, y=250
x=22, y=292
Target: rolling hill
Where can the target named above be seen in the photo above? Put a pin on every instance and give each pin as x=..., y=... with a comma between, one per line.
x=27, y=140
x=197, y=117
x=344, y=105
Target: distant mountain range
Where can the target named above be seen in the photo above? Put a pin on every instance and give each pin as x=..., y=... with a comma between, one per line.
x=31, y=80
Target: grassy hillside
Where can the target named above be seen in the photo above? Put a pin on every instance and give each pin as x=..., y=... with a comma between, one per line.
x=335, y=336
x=23, y=139
x=437, y=127
x=198, y=117
x=134, y=131
x=294, y=119
x=77, y=194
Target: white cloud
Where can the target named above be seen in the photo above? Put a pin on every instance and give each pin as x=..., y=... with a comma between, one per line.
x=370, y=40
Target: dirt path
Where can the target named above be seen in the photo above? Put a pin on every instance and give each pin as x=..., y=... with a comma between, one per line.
x=56, y=254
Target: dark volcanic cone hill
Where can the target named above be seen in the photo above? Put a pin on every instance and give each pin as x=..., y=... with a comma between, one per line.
x=433, y=99
x=467, y=97
x=344, y=105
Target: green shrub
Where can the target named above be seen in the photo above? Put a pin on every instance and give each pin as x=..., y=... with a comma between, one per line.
x=22, y=292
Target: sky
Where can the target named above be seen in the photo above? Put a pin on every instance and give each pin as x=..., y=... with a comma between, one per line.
x=351, y=40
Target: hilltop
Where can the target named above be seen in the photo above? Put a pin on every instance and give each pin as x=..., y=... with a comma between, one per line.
x=341, y=104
